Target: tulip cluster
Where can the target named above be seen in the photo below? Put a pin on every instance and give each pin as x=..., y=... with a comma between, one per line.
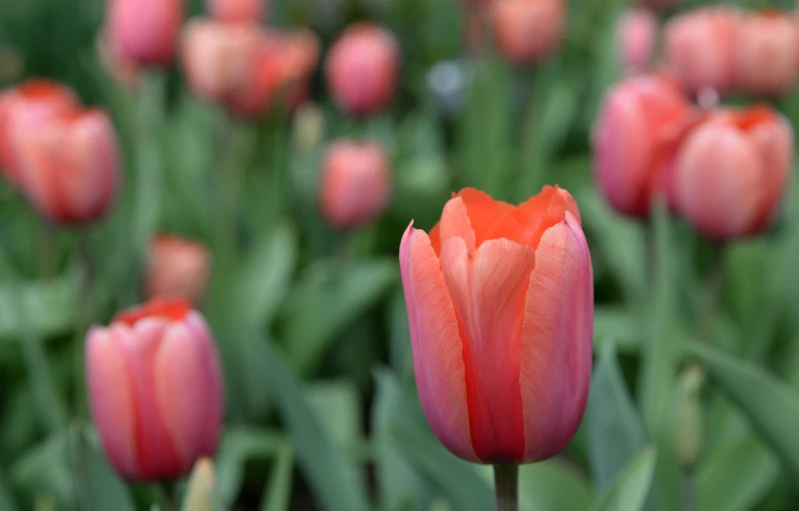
x=719, y=48
x=726, y=170
x=61, y=156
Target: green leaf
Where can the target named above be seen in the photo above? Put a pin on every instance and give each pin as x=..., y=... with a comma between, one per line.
x=99, y=487
x=619, y=327
x=615, y=431
x=631, y=487
x=51, y=307
x=330, y=296
x=240, y=445
x=333, y=478
x=201, y=492
x=7, y=502
x=400, y=337
x=459, y=481
x=737, y=476
x=771, y=407
x=337, y=407
x=277, y=494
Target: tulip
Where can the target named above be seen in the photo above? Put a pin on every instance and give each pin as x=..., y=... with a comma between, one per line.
x=640, y=127
x=768, y=53
x=155, y=390
x=31, y=103
x=527, y=30
x=177, y=268
x=500, y=307
x=362, y=70
x=216, y=56
x=700, y=48
x=144, y=32
x=355, y=183
x=635, y=38
x=237, y=11
x=733, y=170
x=69, y=166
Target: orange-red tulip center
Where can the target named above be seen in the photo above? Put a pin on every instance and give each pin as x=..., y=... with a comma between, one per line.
x=167, y=308
x=751, y=117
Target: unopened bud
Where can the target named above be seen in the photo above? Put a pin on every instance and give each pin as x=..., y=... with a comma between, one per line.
x=201, y=490
x=687, y=423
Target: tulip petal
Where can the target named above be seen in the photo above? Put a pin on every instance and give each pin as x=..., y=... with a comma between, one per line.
x=455, y=223
x=557, y=343
x=488, y=291
x=111, y=400
x=438, y=358
x=213, y=395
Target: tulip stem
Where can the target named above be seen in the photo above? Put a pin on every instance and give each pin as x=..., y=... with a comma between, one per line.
x=688, y=491
x=506, y=482
x=84, y=319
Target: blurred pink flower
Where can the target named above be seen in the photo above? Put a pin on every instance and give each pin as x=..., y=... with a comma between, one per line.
x=177, y=268
x=237, y=11
x=144, y=32
x=527, y=30
x=767, y=53
x=636, y=36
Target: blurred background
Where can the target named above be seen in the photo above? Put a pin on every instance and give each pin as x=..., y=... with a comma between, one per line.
x=299, y=279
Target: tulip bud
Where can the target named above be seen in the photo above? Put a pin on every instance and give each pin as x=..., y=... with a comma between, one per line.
x=732, y=172
x=700, y=48
x=31, y=103
x=687, y=420
x=144, y=32
x=768, y=53
x=201, y=489
x=237, y=11
x=355, y=183
x=639, y=130
x=155, y=390
x=69, y=166
x=362, y=69
x=500, y=303
x=216, y=57
x=177, y=268
x=635, y=38
x=527, y=30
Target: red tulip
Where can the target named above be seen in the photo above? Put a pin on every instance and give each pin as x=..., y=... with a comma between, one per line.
x=733, y=170
x=700, y=48
x=355, y=183
x=500, y=306
x=155, y=390
x=237, y=11
x=31, y=103
x=177, y=268
x=642, y=121
x=69, y=166
x=144, y=32
x=527, y=30
x=362, y=69
x=768, y=53
x=635, y=38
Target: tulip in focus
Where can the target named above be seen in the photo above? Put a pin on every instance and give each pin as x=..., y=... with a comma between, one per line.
x=237, y=11
x=177, y=268
x=700, y=48
x=642, y=122
x=635, y=38
x=144, y=32
x=355, y=183
x=527, y=30
x=362, y=70
x=500, y=305
x=768, y=53
x=733, y=170
x=69, y=166
x=32, y=103
x=155, y=390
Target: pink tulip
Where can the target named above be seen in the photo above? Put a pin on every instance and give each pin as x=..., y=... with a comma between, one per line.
x=768, y=53
x=155, y=390
x=362, y=69
x=237, y=11
x=733, y=171
x=500, y=306
x=31, y=103
x=642, y=122
x=69, y=166
x=144, y=32
x=527, y=30
x=635, y=38
x=177, y=268
x=700, y=48
x=355, y=183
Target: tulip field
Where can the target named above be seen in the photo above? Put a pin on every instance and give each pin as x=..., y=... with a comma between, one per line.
x=399, y=255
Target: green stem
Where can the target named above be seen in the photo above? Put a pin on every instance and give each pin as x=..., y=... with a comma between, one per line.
x=84, y=320
x=688, y=491
x=46, y=247
x=506, y=483
x=713, y=286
